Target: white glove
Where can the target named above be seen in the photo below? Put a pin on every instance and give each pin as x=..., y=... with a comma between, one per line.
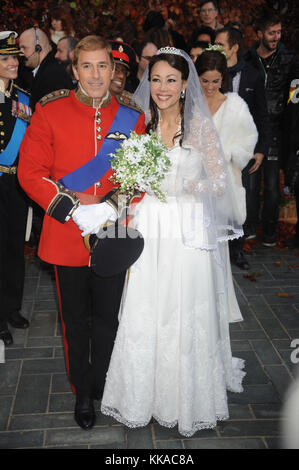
x=91, y=217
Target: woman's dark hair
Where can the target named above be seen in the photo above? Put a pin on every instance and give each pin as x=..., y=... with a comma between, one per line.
x=213, y=60
x=201, y=30
x=60, y=13
x=158, y=36
x=202, y=44
x=179, y=63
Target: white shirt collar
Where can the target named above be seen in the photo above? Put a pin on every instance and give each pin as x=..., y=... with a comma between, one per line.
x=34, y=71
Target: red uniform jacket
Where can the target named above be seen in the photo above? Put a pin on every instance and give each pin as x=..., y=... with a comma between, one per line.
x=63, y=135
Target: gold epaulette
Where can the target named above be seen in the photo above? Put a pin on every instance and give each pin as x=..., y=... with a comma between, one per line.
x=126, y=98
x=54, y=95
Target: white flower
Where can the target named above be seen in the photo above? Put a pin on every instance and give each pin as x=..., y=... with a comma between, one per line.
x=140, y=163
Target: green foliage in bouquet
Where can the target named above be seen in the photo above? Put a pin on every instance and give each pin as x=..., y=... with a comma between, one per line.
x=141, y=163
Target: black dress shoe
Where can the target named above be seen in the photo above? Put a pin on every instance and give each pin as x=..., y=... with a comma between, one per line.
x=269, y=240
x=6, y=337
x=17, y=321
x=84, y=412
x=240, y=260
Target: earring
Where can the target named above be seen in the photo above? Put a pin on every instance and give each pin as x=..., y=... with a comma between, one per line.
x=183, y=94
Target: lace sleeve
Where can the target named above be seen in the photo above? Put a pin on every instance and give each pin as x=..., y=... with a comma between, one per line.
x=202, y=137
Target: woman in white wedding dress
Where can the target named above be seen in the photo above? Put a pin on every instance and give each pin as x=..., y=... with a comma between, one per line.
x=172, y=358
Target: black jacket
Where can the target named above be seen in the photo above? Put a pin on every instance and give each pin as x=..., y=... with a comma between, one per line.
x=8, y=115
x=50, y=76
x=251, y=89
x=283, y=69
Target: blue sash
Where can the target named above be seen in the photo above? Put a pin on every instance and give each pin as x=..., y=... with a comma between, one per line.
x=88, y=174
x=10, y=153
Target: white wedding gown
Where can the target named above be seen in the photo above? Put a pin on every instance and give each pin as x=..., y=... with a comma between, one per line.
x=172, y=358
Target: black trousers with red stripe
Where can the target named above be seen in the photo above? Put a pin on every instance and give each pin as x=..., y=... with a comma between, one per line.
x=89, y=308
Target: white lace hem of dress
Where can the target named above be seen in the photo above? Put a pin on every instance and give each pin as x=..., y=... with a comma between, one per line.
x=189, y=241
x=235, y=386
x=197, y=426
x=238, y=375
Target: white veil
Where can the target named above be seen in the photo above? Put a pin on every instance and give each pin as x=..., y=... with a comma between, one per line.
x=203, y=188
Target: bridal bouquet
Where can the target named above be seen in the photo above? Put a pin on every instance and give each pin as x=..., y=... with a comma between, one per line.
x=141, y=163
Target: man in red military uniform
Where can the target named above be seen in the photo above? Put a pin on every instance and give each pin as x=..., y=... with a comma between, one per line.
x=65, y=167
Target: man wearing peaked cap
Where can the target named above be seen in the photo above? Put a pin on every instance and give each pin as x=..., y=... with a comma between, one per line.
x=125, y=63
x=14, y=116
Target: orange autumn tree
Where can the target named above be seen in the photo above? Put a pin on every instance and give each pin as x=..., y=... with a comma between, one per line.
x=105, y=16
x=184, y=16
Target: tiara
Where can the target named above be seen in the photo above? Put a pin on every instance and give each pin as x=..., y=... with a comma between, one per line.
x=215, y=48
x=169, y=50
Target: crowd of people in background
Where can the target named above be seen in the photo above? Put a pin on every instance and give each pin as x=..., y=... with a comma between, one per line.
x=258, y=86
x=262, y=76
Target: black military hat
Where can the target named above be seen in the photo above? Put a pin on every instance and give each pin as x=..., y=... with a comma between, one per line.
x=114, y=249
x=123, y=53
x=8, y=43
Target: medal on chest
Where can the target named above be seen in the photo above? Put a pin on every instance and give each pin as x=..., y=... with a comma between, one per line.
x=21, y=110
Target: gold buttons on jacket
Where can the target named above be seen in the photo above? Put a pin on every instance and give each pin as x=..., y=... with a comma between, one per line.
x=98, y=128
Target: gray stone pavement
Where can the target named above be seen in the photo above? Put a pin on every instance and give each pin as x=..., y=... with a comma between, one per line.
x=36, y=402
